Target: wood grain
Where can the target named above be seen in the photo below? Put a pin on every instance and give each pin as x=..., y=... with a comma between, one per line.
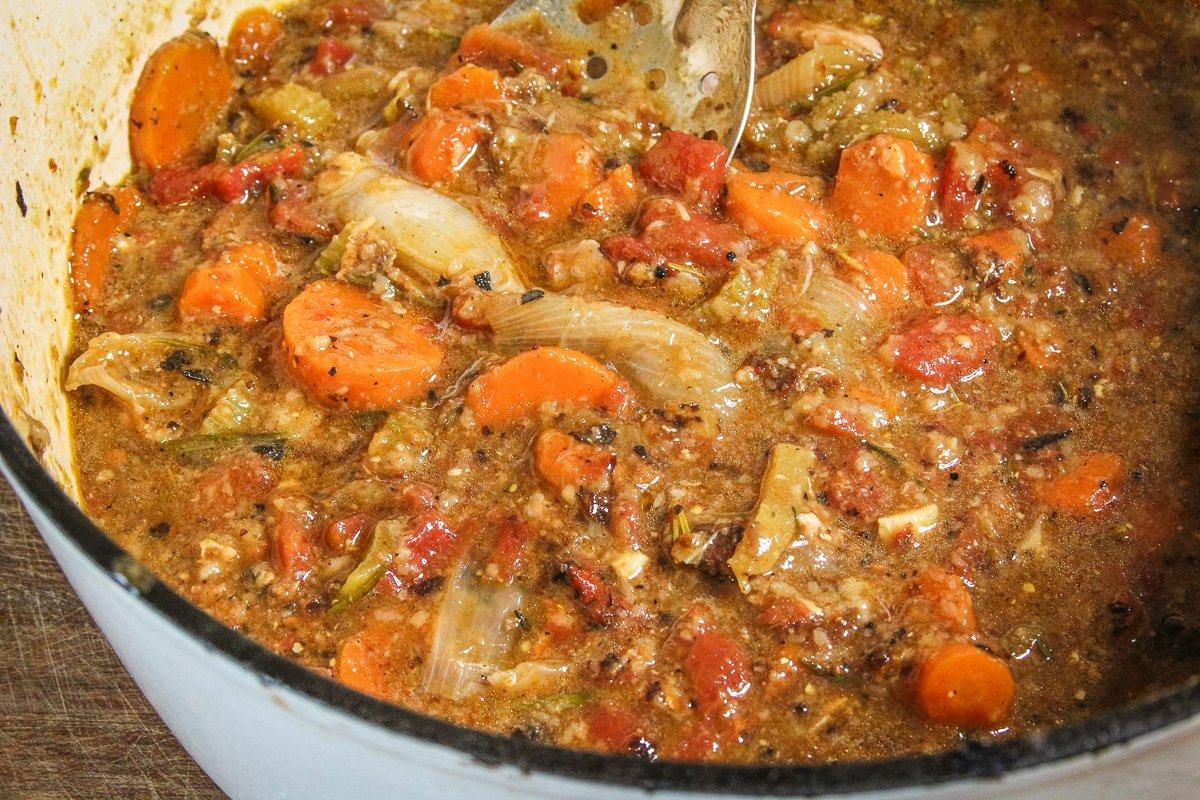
x=72, y=722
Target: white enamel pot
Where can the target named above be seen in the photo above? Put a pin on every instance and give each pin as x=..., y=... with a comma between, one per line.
x=263, y=727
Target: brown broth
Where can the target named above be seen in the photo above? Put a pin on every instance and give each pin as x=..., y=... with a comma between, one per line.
x=1093, y=356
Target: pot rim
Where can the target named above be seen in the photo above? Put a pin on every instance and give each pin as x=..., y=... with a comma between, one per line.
x=972, y=759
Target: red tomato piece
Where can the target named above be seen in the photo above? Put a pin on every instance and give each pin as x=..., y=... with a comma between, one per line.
x=941, y=350
x=719, y=671
x=671, y=233
x=332, y=55
x=248, y=176
x=612, y=728
x=509, y=553
x=686, y=166
x=600, y=603
x=428, y=548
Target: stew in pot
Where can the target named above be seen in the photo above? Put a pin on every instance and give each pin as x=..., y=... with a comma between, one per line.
x=414, y=355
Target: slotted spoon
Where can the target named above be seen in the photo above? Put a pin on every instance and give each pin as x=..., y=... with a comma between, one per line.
x=696, y=55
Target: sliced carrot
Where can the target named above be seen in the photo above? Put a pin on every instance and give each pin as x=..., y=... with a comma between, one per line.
x=1135, y=241
x=521, y=385
x=567, y=167
x=441, y=144
x=998, y=254
x=235, y=287
x=884, y=185
x=770, y=206
x=352, y=350
x=564, y=462
x=102, y=217
x=882, y=276
x=361, y=660
x=959, y=684
x=180, y=95
x=252, y=40
x=467, y=84
x=946, y=598
x=226, y=294
x=1087, y=488
x=485, y=46
x=612, y=198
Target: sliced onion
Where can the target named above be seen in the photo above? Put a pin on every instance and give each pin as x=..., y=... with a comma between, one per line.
x=834, y=302
x=806, y=76
x=667, y=360
x=436, y=237
x=475, y=633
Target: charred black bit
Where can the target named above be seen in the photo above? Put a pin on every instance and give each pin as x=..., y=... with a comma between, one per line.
x=484, y=280
x=600, y=434
x=1121, y=616
x=1119, y=226
x=891, y=104
x=273, y=450
x=1071, y=117
x=24, y=209
x=755, y=164
x=1044, y=440
x=980, y=184
x=661, y=272
x=730, y=256
x=640, y=452
x=522, y=620
x=427, y=586
x=160, y=302
x=175, y=360
x=1083, y=397
x=332, y=371
x=1082, y=281
x=1008, y=168
x=442, y=281
x=160, y=529
x=531, y=295
x=110, y=201
x=197, y=375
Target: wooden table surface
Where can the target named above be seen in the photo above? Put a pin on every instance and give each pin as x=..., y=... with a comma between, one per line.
x=72, y=722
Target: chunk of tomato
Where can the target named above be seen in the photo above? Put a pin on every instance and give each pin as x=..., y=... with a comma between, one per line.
x=686, y=166
x=941, y=350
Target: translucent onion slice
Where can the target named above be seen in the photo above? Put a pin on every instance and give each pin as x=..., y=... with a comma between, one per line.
x=668, y=361
x=803, y=79
x=833, y=302
x=436, y=237
x=474, y=635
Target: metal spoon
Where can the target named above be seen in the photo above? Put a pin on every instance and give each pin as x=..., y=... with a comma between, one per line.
x=696, y=55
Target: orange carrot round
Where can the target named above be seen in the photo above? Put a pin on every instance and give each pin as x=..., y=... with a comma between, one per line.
x=252, y=39
x=769, y=206
x=467, y=84
x=102, y=217
x=564, y=462
x=1086, y=489
x=884, y=185
x=235, y=287
x=1135, y=241
x=959, y=684
x=351, y=350
x=441, y=144
x=180, y=95
x=881, y=274
x=521, y=385
x=568, y=167
x=361, y=661
x=615, y=196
